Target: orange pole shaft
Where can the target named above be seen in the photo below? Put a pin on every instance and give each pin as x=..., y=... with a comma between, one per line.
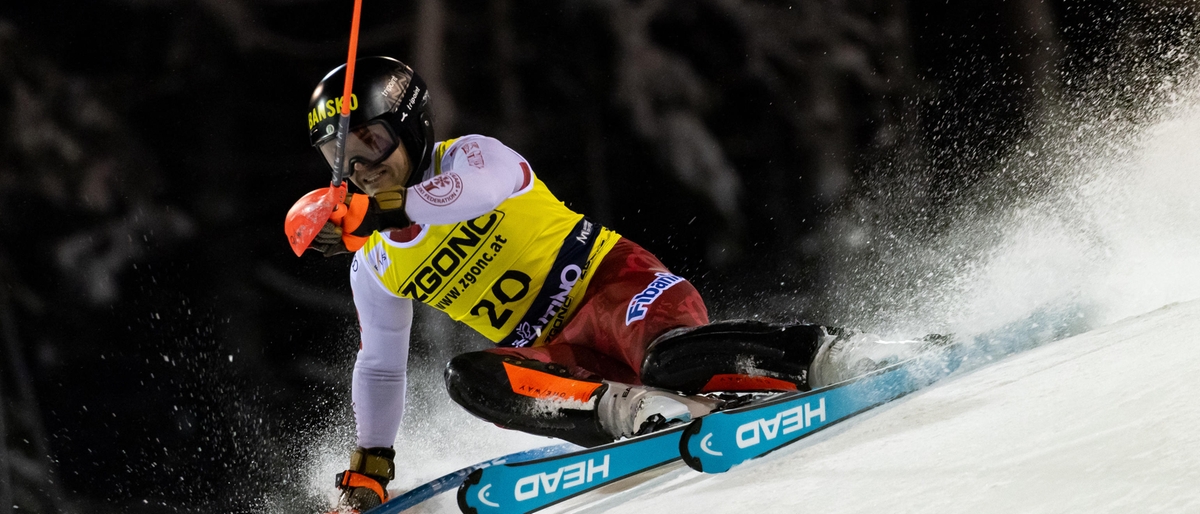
x=351, y=57
x=344, y=122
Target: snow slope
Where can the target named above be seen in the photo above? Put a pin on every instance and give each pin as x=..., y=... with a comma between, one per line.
x=1101, y=422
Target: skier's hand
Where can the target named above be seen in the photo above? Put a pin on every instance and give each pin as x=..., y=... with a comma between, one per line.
x=329, y=241
x=350, y=225
x=364, y=484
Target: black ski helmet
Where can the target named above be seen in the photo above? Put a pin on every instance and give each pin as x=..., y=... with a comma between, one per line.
x=385, y=90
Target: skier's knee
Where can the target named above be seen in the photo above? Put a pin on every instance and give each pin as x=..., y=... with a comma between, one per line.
x=732, y=355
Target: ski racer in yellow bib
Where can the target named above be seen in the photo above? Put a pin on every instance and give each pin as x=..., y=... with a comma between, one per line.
x=489, y=271
x=596, y=339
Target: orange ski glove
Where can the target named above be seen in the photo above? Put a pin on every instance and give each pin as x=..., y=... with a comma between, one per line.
x=350, y=225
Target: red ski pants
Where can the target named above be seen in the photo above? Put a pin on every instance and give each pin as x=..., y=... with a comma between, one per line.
x=601, y=341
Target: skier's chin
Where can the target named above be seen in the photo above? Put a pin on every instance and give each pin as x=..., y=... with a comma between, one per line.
x=379, y=179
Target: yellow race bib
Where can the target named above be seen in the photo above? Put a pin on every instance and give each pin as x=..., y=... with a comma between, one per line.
x=513, y=274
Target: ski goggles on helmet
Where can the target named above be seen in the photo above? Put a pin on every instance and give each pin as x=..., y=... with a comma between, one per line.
x=367, y=145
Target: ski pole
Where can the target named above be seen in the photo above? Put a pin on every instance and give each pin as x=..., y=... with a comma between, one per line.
x=305, y=219
x=339, y=170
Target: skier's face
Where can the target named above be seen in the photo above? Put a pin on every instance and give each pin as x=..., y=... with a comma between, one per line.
x=389, y=174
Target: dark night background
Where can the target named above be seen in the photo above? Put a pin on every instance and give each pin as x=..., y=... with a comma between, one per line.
x=163, y=350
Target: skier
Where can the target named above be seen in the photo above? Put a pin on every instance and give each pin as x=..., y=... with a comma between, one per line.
x=596, y=339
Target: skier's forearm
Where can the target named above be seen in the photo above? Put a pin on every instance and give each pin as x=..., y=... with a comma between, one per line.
x=380, y=371
x=378, y=396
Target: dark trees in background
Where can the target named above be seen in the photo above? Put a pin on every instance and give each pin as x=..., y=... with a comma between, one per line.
x=158, y=337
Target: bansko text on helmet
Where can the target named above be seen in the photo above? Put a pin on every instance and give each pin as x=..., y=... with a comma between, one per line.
x=390, y=105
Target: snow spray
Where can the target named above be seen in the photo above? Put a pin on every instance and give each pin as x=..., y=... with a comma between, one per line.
x=1099, y=207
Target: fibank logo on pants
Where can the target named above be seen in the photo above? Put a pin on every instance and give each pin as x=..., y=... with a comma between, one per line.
x=641, y=301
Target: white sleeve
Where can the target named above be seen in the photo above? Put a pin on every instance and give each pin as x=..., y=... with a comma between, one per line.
x=380, y=372
x=478, y=173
